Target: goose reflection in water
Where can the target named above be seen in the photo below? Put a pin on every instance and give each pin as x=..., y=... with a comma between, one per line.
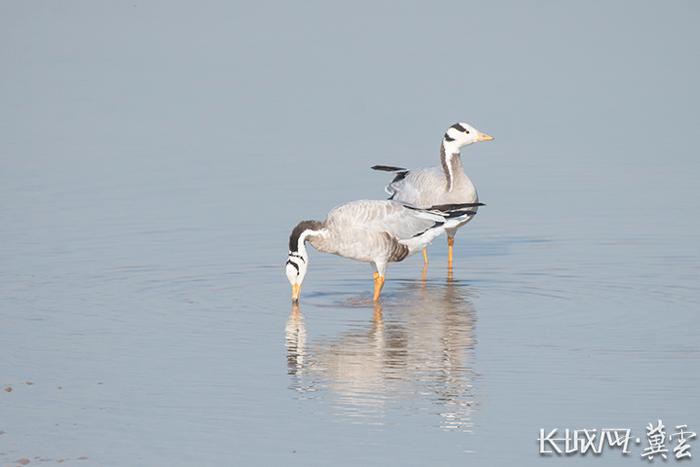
x=415, y=354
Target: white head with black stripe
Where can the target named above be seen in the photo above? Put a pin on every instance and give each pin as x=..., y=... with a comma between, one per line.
x=298, y=259
x=462, y=134
x=455, y=138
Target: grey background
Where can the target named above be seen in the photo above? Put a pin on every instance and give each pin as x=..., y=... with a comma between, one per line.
x=155, y=155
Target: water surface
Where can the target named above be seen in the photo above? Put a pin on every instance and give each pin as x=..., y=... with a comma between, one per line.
x=149, y=179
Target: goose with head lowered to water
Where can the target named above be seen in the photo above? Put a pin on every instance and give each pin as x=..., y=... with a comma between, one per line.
x=443, y=184
x=373, y=231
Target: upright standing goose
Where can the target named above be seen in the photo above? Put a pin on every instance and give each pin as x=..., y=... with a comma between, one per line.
x=374, y=231
x=439, y=185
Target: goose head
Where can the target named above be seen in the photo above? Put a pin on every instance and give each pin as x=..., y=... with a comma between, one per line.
x=462, y=134
x=298, y=258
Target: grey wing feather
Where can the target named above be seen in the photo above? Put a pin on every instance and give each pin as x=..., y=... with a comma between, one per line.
x=421, y=187
x=378, y=231
x=381, y=216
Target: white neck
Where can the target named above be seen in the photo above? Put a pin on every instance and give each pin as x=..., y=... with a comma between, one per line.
x=448, y=153
x=451, y=147
x=301, y=244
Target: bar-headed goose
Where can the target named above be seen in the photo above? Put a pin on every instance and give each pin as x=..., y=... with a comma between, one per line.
x=374, y=231
x=443, y=184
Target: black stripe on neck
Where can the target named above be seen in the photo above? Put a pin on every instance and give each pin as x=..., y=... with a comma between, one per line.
x=300, y=229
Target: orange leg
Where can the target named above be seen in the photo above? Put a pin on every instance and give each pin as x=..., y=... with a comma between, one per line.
x=425, y=256
x=450, y=245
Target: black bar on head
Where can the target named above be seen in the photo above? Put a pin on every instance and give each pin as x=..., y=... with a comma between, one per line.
x=294, y=264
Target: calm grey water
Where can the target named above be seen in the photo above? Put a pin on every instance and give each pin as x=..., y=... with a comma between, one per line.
x=155, y=157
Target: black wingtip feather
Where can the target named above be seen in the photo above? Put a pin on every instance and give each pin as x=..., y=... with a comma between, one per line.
x=435, y=225
x=400, y=176
x=387, y=168
x=454, y=206
x=450, y=211
x=452, y=214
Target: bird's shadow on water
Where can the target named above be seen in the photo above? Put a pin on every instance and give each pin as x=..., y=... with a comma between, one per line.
x=413, y=354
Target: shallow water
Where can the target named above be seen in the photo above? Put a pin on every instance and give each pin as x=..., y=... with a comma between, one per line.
x=147, y=193
x=164, y=334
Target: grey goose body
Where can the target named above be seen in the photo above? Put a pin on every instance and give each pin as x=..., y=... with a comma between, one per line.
x=446, y=183
x=373, y=231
